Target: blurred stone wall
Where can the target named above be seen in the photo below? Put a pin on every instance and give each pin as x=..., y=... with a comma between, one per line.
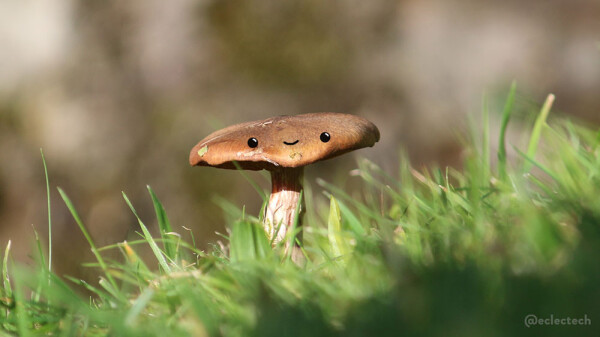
x=117, y=93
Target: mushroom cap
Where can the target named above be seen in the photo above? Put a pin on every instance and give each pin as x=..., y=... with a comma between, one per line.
x=284, y=141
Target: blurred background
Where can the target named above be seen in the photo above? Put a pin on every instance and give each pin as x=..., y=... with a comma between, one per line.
x=118, y=92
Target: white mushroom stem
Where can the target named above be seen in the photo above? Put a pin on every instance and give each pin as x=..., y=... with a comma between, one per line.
x=285, y=202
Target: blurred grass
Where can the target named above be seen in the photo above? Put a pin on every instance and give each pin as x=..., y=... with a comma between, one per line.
x=431, y=252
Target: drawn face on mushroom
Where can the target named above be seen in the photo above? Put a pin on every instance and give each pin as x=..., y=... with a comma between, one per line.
x=284, y=145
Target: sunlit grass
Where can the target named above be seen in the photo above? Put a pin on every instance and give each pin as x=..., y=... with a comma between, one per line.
x=440, y=251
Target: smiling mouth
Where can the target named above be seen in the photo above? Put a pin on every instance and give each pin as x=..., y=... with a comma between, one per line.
x=292, y=143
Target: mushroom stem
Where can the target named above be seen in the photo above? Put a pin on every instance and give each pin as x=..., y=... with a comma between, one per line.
x=285, y=198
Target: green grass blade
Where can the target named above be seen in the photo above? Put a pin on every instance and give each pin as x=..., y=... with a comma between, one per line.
x=506, y=114
x=203, y=308
x=138, y=305
x=87, y=236
x=40, y=250
x=539, y=165
x=360, y=207
x=155, y=249
x=275, y=232
x=353, y=223
x=58, y=291
x=164, y=225
x=5, y=278
x=241, y=242
x=536, y=133
x=248, y=241
x=96, y=291
x=133, y=259
x=109, y=287
x=261, y=241
x=334, y=230
x=49, y=212
x=22, y=315
x=41, y=261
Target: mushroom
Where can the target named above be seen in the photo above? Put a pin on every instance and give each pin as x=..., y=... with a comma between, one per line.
x=283, y=145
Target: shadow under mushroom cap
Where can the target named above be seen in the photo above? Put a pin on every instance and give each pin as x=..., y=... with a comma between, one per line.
x=284, y=141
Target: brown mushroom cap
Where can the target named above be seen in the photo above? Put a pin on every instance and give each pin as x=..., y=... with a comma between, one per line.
x=284, y=141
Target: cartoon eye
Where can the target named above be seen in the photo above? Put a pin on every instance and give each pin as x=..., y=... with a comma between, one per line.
x=253, y=142
x=325, y=137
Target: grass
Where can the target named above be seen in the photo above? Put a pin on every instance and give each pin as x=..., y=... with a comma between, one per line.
x=444, y=252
